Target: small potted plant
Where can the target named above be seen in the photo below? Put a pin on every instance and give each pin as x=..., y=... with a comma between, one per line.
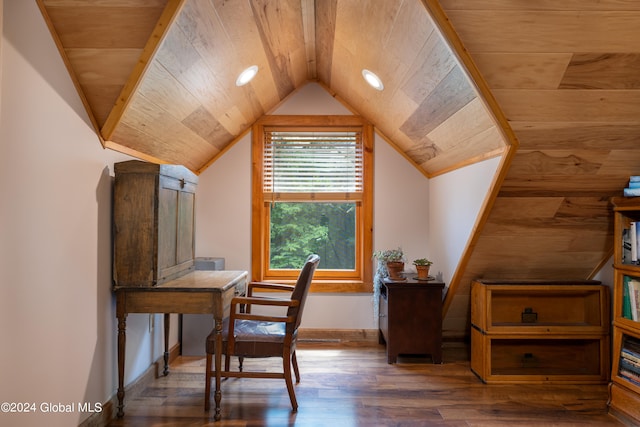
x=422, y=268
x=393, y=260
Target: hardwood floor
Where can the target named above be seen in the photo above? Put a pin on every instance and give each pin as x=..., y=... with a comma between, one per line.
x=354, y=386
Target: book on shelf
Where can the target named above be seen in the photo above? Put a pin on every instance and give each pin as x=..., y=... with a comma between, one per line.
x=635, y=242
x=630, y=365
x=630, y=355
x=626, y=246
x=631, y=376
x=626, y=300
x=631, y=192
x=633, y=235
x=633, y=189
x=630, y=372
x=632, y=345
x=633, y=286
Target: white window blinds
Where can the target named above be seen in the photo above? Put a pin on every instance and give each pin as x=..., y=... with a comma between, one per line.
x=313, y=162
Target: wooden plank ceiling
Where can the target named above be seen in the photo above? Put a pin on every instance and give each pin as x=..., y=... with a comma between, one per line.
x=158, y=76
x=461, y=78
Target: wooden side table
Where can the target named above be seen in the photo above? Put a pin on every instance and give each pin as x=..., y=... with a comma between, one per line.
x=411, y=318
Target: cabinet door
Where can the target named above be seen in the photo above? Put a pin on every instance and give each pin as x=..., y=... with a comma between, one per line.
x=176, y=202
x=167, y=227
x=184, y=244
x=135, y=230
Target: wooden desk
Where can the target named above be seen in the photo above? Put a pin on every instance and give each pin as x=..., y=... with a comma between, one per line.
x=411, y=318
x=197, y=292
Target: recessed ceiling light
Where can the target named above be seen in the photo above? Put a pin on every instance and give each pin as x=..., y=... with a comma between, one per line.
x=246, y=75
x=372, y=79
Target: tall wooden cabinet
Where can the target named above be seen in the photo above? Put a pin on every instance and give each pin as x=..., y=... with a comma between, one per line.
x=153, y=217
x=624, y=389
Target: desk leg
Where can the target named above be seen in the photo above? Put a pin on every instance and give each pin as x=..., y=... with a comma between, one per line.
x=166, y=343
x=218, y=361
x=122, y=338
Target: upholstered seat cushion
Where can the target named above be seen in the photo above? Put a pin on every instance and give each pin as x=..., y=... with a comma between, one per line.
x=263, y=337
x=252, y=330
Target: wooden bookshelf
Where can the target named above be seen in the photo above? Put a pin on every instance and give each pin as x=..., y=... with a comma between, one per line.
x=624, y=389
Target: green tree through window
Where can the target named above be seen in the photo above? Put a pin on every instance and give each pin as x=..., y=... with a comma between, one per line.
x=298, y=229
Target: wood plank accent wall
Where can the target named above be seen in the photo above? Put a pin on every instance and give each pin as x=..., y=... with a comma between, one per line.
x=565, y=74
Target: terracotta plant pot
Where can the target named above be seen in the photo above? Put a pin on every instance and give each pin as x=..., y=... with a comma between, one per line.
x=395, y=269
x=423, y=271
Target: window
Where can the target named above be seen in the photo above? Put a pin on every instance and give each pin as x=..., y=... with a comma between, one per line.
x=312, y=178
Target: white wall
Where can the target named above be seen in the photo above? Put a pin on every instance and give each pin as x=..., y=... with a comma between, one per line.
x=606, y=276
x=455, y=201
x=56, y=304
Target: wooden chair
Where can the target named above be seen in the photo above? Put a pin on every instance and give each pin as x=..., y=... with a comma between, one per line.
x=245, y=334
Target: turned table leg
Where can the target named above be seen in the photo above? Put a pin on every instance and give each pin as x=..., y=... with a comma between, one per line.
x=122, y=338
x=166, y=343
x=218, y=363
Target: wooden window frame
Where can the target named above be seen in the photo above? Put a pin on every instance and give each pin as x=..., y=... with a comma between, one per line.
x=358, y=281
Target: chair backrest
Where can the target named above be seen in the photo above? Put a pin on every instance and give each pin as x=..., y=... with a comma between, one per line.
x=302, y=288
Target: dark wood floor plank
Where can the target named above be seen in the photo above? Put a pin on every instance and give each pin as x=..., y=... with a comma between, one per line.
x=354, y=386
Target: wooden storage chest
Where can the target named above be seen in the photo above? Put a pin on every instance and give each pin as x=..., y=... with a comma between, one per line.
x=540, y=331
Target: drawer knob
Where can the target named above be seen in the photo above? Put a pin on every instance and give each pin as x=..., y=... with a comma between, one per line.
x=528, y=360
x=529, y=316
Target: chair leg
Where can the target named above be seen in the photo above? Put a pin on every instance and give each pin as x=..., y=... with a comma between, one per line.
x=294, y=360
x=240, y=361
x=207, y=385
x=286, y=362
